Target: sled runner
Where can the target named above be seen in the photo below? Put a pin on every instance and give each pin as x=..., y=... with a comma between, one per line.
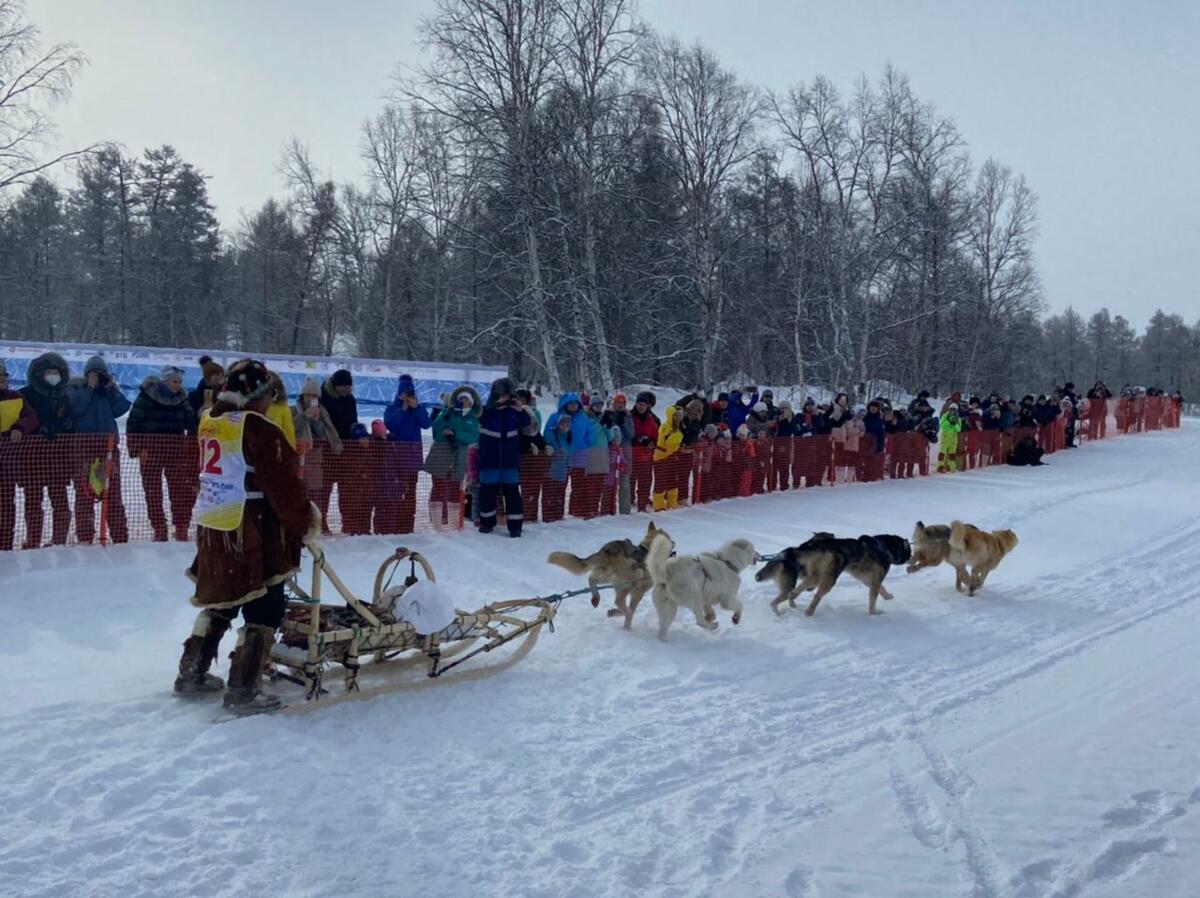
x=373, y=644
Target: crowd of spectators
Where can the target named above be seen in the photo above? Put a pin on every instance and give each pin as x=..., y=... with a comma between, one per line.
x=495, y=460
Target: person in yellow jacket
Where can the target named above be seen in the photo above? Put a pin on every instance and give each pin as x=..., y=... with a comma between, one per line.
x=279, y=412
x=950, y=427
x=666, y=460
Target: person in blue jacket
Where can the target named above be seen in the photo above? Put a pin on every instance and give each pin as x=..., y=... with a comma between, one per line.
x=584, y=434
x=738, y=411
x=404, y=418
x=499, y=462
x=96, y=404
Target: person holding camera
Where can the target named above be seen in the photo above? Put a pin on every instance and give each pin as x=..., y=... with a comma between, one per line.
x=96, y=404
x=455, y=430
x=46, y=454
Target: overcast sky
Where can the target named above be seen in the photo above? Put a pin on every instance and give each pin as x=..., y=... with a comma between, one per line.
x=1095, y=101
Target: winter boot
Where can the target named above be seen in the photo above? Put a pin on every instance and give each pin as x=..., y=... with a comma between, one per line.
x=660, y=501
x=199, y=652
x=672, y=498
x=245, y=671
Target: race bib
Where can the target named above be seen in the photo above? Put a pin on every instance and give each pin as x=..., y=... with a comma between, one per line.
x=222, y=499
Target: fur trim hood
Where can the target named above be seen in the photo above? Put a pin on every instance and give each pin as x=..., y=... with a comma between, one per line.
x=467, y=390
x=49, y=361
x=152, y=387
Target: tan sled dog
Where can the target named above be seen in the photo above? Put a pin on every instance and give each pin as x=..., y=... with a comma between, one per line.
x=978, y=549
x=620, y=563
x=697, y=582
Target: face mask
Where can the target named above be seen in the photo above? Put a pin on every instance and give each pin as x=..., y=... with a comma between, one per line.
x=53, y=379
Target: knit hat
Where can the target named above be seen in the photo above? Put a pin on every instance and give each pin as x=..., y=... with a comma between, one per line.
x=620, y=397
x=211, y=369
x=767, y=394
x=245, y=381
x=358, y=431
x=743, y=431
x=760, y=407
x=342, y=378
x=722, y=397
x=405, y=386
x=596, y=401
x=168, y=372
x=311, y=388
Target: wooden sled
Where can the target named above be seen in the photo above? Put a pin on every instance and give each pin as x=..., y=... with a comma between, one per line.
x=373, y=646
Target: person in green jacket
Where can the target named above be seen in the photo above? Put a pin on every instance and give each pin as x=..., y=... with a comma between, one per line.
x=950, y=428
x=455, y=431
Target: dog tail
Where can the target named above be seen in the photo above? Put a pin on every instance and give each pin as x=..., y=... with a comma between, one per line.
x=657, y=557
x=769, y=570
x=569, y=562
x=958, y=535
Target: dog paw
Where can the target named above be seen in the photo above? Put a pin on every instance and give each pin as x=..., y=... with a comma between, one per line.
x=615, y=612
x=809, y=612
x=737, y=619
x=595, y=601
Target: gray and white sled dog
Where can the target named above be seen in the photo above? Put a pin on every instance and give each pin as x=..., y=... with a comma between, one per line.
x=698, y=583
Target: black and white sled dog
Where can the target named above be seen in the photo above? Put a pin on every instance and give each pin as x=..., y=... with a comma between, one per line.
x=698, y=583
x=818, y=563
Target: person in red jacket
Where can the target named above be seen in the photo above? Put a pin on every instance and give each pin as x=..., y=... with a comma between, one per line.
x=645, y=437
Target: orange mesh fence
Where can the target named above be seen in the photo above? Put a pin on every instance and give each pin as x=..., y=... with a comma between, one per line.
x=114, y=489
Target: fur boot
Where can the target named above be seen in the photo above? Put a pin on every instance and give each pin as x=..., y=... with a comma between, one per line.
x=242, y=696
x=199, y=652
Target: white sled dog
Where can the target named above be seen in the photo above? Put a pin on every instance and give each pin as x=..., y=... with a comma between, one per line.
x=696, y=582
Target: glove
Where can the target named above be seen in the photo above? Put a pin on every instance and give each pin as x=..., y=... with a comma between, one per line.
x=549, y=450
x=15, y=435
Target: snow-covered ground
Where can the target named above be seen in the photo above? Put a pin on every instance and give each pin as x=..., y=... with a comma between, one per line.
x=1038, y=740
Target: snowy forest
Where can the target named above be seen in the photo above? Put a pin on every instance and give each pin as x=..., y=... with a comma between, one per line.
x=563, y=191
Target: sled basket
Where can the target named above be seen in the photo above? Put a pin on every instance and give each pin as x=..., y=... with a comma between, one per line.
x=373, y=646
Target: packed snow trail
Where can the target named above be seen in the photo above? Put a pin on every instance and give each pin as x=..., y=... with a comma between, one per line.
x=1037, y=740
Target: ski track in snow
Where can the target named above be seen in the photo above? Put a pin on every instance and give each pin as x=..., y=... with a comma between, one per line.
x=829, y=756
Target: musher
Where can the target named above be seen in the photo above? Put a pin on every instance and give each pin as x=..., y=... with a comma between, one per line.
x=252, y=515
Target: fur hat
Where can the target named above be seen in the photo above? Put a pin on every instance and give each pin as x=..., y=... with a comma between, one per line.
x=760, y=407
x=464, y=394
x=501, y=386
x=311, y=388
x=342, y=378
x=647, y=397
x=211, y=369
x=245, y=381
